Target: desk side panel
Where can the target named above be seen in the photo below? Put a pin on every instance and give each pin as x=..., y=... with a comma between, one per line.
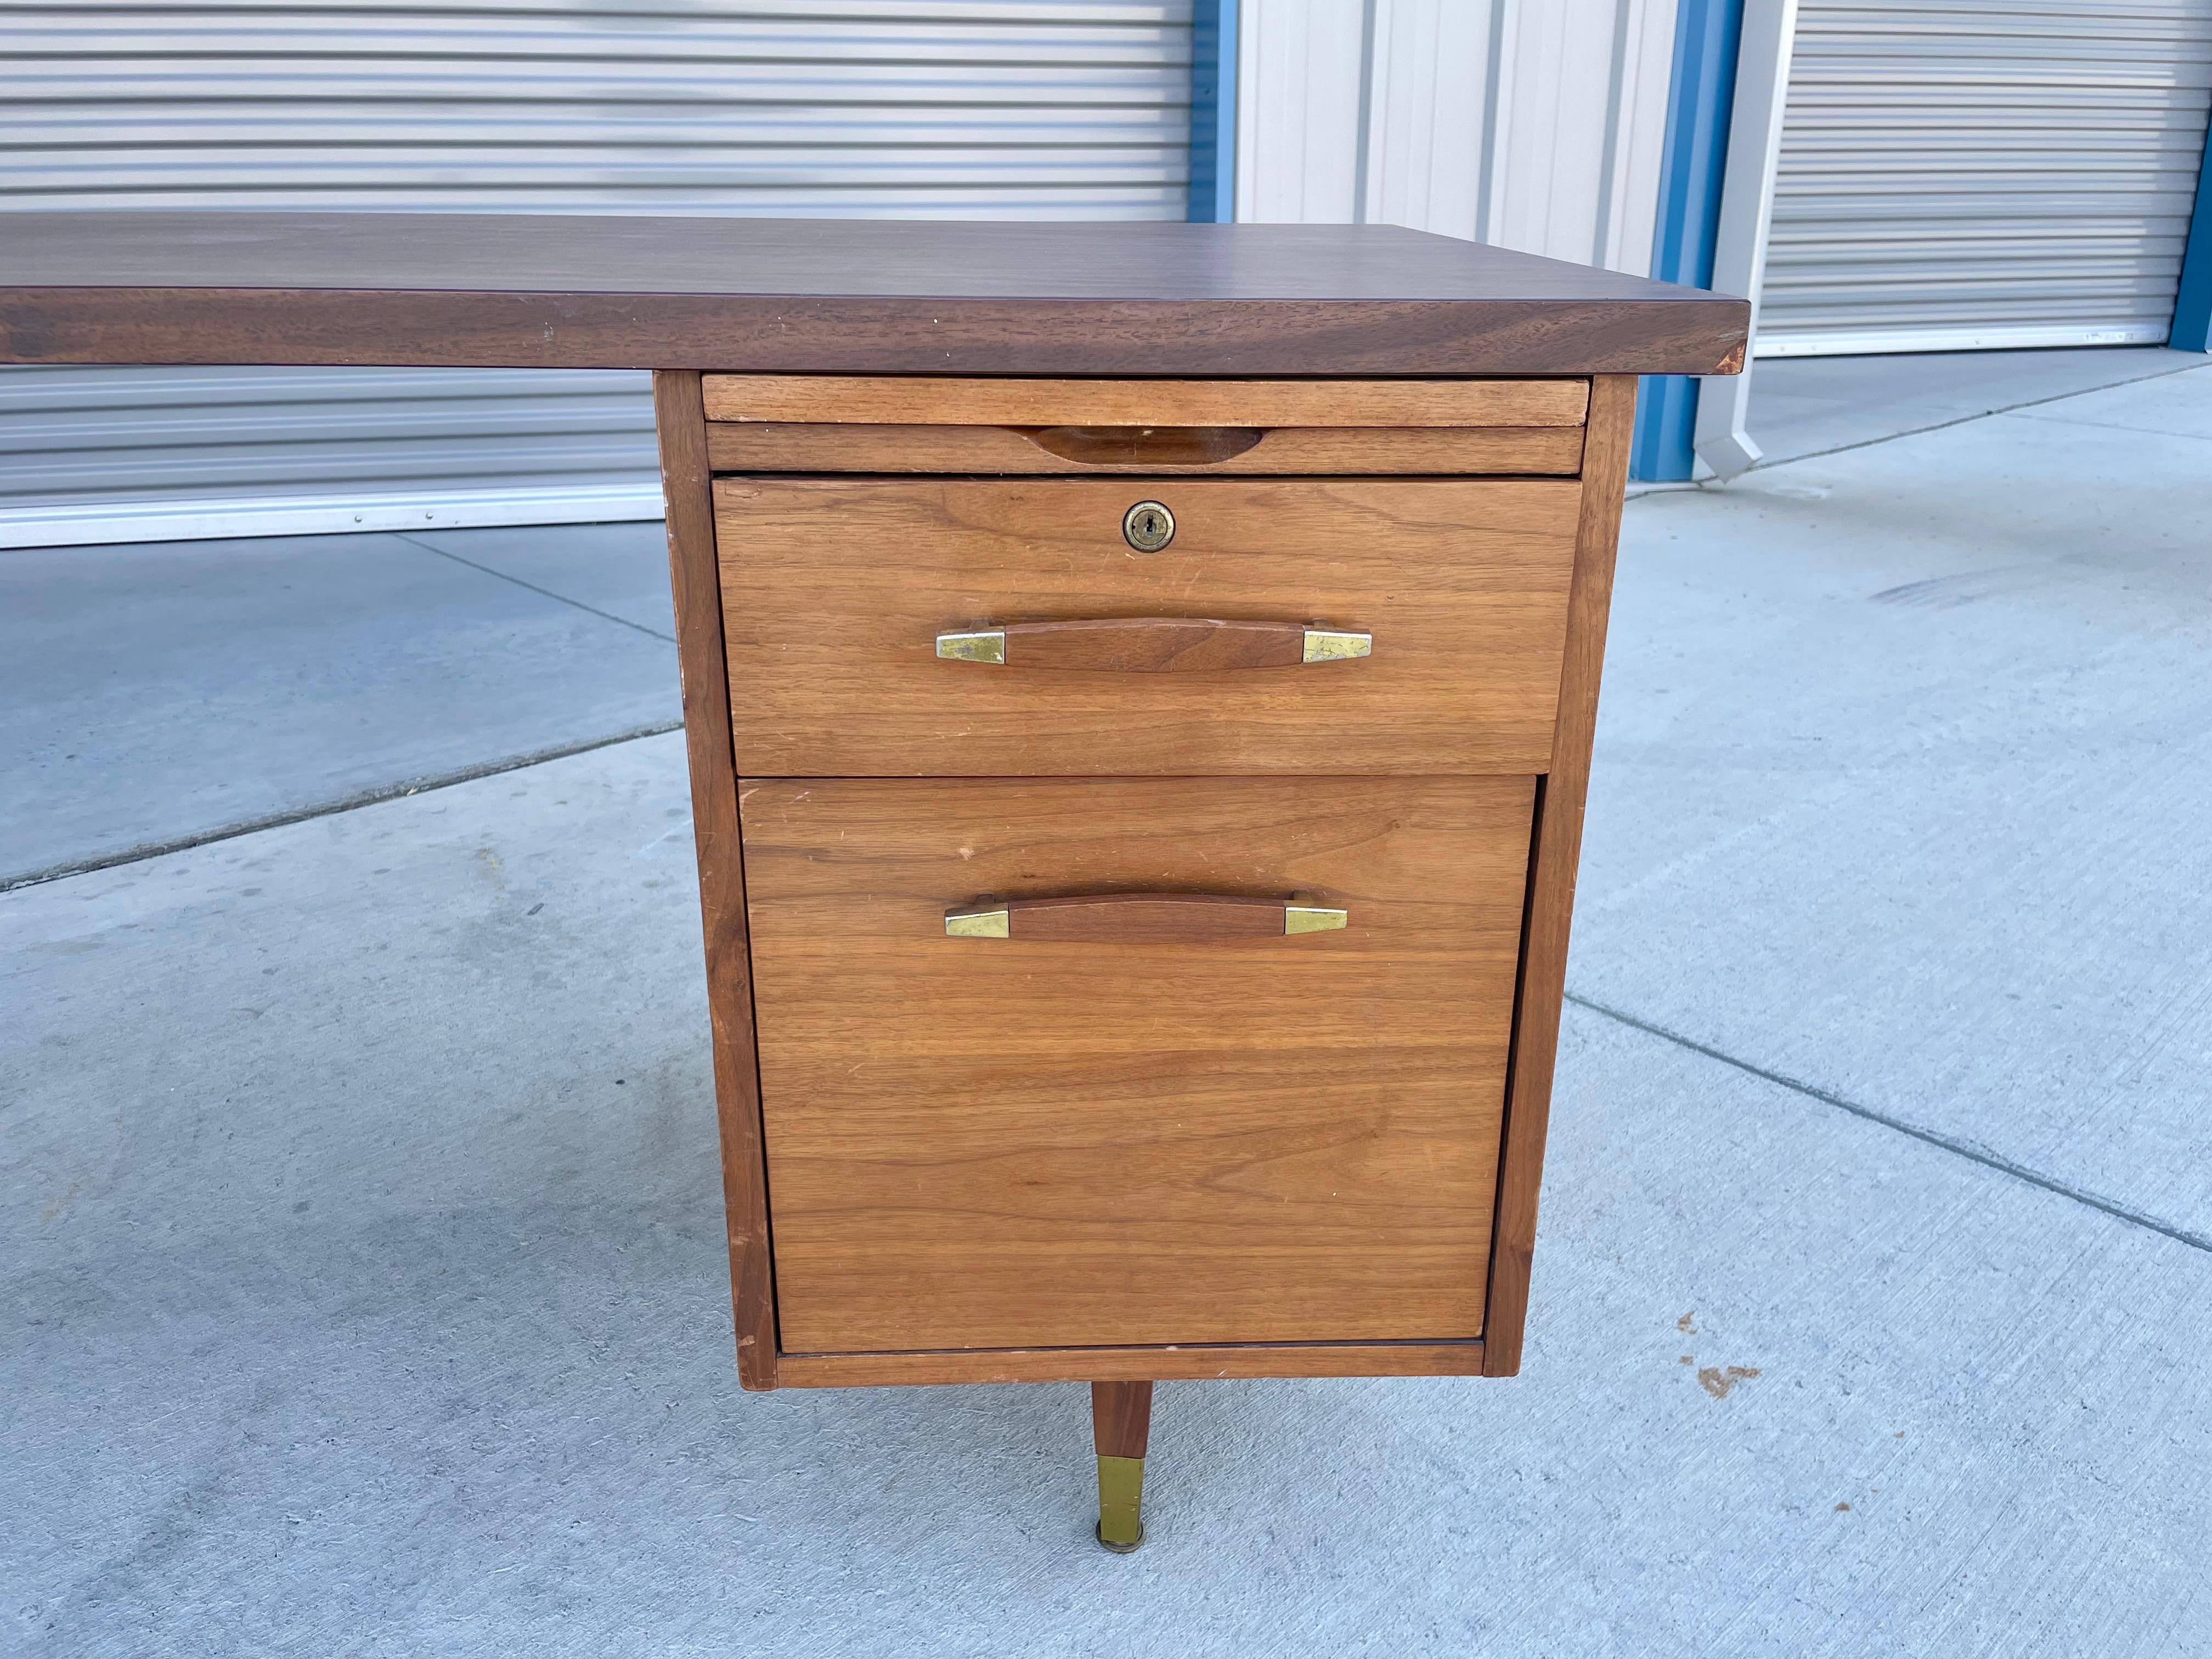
x=1554, y=855
x=679, y=411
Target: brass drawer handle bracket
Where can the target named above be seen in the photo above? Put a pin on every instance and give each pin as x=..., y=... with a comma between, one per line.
x=978, y=924
x=1331, y=644
x=985, y=645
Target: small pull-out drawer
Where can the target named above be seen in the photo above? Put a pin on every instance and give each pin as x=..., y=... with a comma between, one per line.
x=858, y=424
x=910, y=626
x=1116, y=1120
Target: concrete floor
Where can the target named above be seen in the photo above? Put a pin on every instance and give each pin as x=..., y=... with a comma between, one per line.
x=1802, y=406
x=361, y=1244
x=152, y=696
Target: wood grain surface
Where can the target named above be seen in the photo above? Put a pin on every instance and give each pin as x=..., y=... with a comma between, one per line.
x=835, y=590
x=938, y=400
x=853, y=1371
x=1144, y=918
x=829, y=295
x=1556, y=855
x=1154, y=645
x=1349, y=452
x=1120, y=1417
x=1254, y=1141
x=681, y=421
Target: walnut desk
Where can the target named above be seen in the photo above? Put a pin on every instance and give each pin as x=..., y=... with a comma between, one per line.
x=1139, y=681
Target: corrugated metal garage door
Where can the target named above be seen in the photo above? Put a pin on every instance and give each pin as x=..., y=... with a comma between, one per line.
x=1956, y=176
x=973, y=109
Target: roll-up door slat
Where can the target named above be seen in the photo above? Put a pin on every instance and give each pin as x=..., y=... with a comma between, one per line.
x=1067, y=109
x=1957, y=175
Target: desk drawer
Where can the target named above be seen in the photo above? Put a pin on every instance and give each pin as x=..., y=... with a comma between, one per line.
x=836, y=591
x=1143, y=1125
x=861, y=423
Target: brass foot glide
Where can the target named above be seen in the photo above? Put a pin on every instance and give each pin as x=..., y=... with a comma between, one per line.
x=1120, y=1503
x=1120, y=1424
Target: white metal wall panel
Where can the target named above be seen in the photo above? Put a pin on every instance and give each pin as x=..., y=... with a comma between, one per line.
x=1534, y=124
x=956, y=109
x=1959, y=175
x=1301, y=110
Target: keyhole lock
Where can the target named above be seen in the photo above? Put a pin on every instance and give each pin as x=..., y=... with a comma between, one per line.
x=1148, y=526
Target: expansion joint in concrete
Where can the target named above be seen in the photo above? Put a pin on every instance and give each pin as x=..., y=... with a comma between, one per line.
x=1972, y=1154
x=322, y=810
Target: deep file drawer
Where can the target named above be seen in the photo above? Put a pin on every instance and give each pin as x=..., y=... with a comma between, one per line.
x=840, y=596
x=1166, y=1118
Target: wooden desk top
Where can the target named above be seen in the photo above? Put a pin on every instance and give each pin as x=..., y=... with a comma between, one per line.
x=827, y=296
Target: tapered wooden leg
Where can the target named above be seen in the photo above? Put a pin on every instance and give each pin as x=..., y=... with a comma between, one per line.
x=1120, y=1423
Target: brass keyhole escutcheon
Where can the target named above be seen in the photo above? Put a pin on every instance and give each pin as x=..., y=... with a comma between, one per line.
x=1148, y=526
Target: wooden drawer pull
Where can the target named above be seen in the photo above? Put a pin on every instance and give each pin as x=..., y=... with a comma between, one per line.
x=1154, y=645
x=1143, y=918
x=1144, y=445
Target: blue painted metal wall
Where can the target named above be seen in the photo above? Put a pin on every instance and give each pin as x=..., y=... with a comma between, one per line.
x=2192, y=304
x=1213, y=112
x=1707, y=33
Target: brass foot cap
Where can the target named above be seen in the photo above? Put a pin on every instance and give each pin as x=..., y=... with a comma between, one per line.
x=1119, y=1549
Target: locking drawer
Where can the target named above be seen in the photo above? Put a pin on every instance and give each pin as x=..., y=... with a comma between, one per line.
x=933, y=627
x=1049, y=1062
